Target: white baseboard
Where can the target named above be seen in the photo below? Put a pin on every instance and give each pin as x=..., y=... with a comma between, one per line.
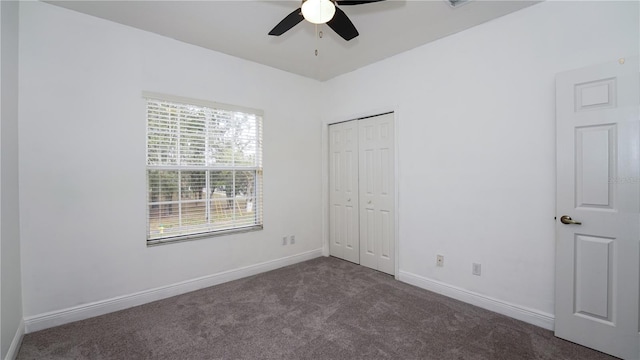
x=15, y=344
x=525, y=314
x=85, y=311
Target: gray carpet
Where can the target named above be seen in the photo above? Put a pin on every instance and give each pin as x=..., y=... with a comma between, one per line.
x=320, y=309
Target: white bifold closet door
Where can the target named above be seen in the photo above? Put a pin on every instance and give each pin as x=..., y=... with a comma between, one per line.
x=377, y=190
x=343, y=196
x=362, y=192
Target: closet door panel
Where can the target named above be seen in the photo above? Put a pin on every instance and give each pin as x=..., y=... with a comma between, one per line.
x=377, y=199
x=344, y=234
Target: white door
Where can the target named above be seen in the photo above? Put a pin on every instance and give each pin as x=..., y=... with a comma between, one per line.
x=597, y=246
x=377, y=193
x=344, y=239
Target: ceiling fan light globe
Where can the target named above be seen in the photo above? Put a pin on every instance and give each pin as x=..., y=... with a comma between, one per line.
x=318, y=11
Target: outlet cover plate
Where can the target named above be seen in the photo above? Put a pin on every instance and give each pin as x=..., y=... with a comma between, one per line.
x=476, y=269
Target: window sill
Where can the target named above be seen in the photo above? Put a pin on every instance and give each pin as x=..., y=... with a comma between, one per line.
x=182, y=238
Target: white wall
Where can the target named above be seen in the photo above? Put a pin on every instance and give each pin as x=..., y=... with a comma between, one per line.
x=82, y=158
x=477, y=142
x=10, y=289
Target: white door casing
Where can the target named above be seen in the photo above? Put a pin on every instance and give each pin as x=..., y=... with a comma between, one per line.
x=344, y=239
x=598, y=160
x=377, y=193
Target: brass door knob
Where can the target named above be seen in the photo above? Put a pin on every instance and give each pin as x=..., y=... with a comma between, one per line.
x=566, y=219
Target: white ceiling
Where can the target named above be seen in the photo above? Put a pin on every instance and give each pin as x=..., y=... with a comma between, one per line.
x=240, y=28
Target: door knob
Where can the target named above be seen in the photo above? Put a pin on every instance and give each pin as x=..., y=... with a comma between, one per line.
x=566, y=219
x=369, y=202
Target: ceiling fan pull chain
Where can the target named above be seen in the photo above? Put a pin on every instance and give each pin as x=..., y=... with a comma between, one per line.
x=316, y=39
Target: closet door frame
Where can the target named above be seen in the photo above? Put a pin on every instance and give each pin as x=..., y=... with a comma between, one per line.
x=325, y=175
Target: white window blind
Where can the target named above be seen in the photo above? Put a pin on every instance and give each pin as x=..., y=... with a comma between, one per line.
x=204, y=169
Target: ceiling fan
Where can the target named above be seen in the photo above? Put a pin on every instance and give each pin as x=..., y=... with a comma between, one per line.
x=320, y=12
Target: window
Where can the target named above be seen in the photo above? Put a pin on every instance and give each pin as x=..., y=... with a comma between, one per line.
x=204, y=169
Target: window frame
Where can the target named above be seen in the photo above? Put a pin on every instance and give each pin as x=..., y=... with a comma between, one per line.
x=208, y=170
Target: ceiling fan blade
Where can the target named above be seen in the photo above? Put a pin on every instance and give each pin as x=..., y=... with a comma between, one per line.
x=287, y=23
x=342, y=25
x=356, y=2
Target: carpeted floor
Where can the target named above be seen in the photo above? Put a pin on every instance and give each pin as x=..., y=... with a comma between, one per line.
x=320, y=309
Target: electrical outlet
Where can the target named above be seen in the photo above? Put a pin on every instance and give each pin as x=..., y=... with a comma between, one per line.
x=292, y=239
x=284, y=240
x=476, y=269
x=439, y=260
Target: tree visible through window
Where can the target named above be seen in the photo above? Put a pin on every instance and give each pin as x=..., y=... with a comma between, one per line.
x=204, y=169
